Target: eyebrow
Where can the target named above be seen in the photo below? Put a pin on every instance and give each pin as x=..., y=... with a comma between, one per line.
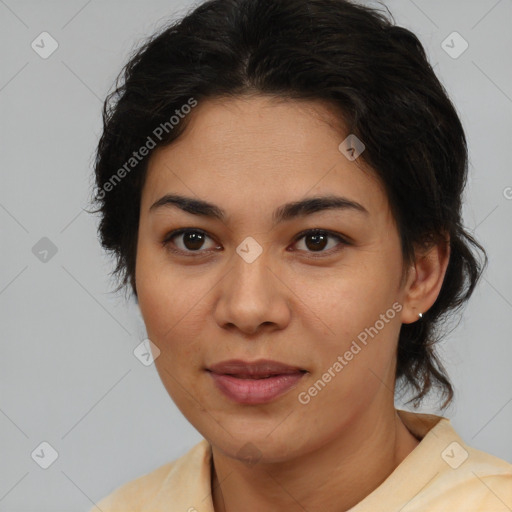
x=285, y=212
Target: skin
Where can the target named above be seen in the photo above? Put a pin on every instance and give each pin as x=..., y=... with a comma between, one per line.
x=250, y=155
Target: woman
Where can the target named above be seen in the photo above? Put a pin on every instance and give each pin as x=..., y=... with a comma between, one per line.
x=281, y=183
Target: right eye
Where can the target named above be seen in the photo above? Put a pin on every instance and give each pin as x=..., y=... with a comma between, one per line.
x=188, y=241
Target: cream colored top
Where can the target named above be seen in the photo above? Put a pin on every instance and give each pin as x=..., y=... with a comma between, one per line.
x=442, y=474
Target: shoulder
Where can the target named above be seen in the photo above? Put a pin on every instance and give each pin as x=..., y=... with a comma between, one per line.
x=482, y=483
x=442, y=473
x=482, y=477
x=130, y=496
x=137, y=495
x=463, y=476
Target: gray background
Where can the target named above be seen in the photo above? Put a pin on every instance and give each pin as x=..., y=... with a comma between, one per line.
x=68, y=374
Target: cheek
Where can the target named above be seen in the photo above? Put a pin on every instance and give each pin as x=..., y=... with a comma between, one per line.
x=164, y=296
x=175, y=303
x=173, y=315
x=351, y=298
x=360, y=307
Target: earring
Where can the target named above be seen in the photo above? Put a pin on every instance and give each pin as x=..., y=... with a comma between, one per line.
x=420, y=315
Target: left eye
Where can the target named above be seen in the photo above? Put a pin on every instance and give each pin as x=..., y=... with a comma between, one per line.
x=317, y=240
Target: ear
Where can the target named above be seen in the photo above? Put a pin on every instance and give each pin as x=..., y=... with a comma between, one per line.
x=426, y=276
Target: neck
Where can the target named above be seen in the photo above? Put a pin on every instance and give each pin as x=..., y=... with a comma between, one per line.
x=335, y=476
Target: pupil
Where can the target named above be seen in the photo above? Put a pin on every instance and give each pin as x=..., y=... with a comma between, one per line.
x=319, y=241
x=193, y=240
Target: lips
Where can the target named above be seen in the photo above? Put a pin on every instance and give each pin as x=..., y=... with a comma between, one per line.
x=255, y=382
x=261, y=369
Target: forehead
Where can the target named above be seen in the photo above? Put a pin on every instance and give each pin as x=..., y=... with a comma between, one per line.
x=262, y=149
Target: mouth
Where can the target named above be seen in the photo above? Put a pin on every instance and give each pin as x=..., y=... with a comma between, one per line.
x=255, y=382
x=254, y=377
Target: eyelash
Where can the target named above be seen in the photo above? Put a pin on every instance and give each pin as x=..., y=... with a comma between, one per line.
x=200, y=253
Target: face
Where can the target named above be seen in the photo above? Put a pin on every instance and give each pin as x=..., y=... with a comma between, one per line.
x=251, y=279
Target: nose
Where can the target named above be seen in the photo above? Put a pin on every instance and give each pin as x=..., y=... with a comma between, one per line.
x=252, y=298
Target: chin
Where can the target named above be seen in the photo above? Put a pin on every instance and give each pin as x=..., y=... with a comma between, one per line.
x=252, y=447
